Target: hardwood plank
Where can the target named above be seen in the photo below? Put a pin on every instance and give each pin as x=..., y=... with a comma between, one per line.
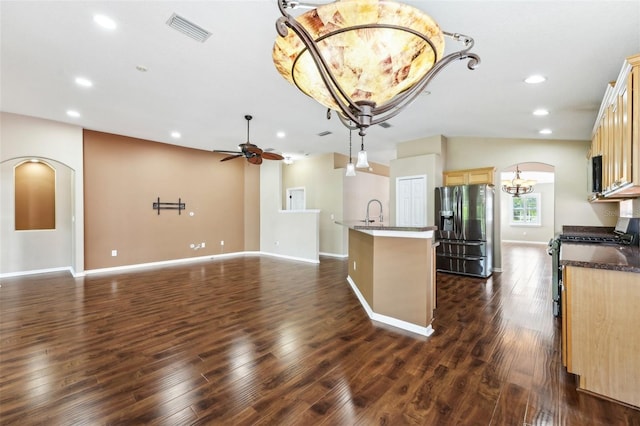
x=259, y=340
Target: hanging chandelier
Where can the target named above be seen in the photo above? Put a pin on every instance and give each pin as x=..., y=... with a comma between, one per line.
x=518, y=186
x=365, y=59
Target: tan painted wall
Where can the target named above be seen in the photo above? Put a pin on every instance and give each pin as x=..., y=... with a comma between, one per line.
x=361, y=263
x=124, y=176
x=401, y=279
x=568, y=157
x=251, y=207
x=329, y=190
x=323, y=191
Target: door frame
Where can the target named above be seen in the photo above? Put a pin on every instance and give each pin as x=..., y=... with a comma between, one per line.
x=304, y=197
x=423, y=177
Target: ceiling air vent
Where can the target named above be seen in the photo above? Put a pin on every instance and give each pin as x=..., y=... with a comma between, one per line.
x=384, y=125
x=325, y=133
x=188, y=28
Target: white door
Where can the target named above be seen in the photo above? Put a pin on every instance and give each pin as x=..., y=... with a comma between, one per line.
x=296, y=199
x=411, y=201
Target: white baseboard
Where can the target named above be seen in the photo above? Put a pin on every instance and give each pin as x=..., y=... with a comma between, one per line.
x=404, y=325
x=282, y=256
x=153, y=264
x=339, y=256
x=163, y=263
x=38, y=271
x=525, y=242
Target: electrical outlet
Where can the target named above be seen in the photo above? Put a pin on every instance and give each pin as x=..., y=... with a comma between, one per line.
x=202, y=244
x=221, y=242
x=114, y=253
x=354, y=265
x=332, y=216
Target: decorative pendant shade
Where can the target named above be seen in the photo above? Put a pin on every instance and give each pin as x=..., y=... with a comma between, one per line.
x=362, y=162
x=518, y=186
x=366, y=59
x=351, y=170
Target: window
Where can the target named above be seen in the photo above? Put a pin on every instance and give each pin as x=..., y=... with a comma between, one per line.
x=525, y=210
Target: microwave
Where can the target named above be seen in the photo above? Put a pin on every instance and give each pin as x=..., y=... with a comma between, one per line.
x=594, y=175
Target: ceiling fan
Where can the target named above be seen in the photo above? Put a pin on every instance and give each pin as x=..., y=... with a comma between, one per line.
x=251, y=152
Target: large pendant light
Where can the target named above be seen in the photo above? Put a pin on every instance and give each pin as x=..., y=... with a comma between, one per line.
x=366, y=59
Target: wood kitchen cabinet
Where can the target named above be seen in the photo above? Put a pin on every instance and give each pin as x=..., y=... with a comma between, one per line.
x=600, y=333
x=616, y=134
x=469, y=176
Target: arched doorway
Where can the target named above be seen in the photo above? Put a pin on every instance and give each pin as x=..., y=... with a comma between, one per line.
x=528, y=218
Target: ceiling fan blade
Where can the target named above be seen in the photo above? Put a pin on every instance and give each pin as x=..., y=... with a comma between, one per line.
x=221, y=151
x=255, y=159
x=272, y=156
x=231, y=157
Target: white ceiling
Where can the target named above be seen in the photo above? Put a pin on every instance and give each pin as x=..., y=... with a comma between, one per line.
x=203, y=90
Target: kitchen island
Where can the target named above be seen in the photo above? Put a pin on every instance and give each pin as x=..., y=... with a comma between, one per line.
x=600, y=334
x=392, y=272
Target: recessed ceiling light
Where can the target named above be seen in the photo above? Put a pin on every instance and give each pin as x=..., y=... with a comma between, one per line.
x=535, y=79
x=176, y=135
x=541, y=112
x=105, y=22
x=72, y=113
x=84, y=82
x=545, y=132
x=281, y=135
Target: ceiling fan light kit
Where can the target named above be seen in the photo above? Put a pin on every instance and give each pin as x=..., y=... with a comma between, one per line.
x=366, y=59
x=251, y=152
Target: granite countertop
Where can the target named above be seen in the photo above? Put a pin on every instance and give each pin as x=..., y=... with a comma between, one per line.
x=587, y=230
x=601, y=256
x=377, y=226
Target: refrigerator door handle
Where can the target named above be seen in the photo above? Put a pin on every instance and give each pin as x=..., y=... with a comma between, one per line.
x=454, y=205
x=460, y=231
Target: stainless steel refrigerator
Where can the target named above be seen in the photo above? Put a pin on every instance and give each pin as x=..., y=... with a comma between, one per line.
x=464, y=217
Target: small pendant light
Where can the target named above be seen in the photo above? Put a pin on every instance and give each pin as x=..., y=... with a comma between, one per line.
x=362, y=157
x=351, y=170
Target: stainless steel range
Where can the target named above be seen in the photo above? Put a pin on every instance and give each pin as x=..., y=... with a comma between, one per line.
x=625, y=233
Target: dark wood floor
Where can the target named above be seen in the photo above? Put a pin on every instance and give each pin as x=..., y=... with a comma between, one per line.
x=258, y=340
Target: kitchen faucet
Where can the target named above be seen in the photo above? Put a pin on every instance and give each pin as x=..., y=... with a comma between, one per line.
x=367, y=220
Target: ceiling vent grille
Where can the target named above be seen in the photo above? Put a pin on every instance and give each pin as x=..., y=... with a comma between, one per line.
x=384, y=125
x=325, y=133
x=188, y=28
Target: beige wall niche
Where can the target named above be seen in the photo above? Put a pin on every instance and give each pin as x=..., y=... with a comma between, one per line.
x=35, y=196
